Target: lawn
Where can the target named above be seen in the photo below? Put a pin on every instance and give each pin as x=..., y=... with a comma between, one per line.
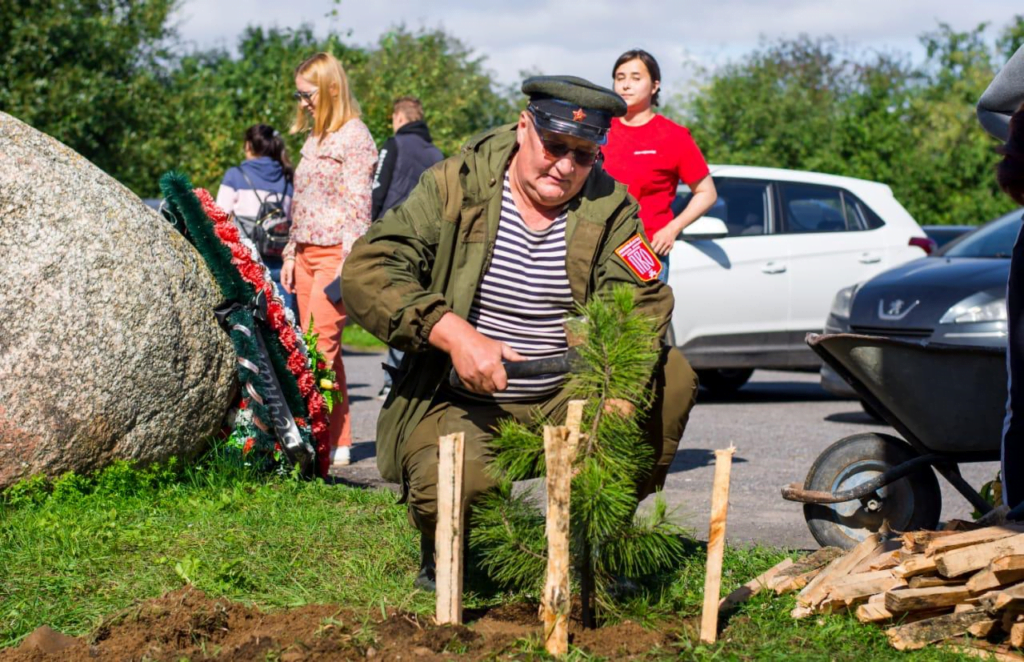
x=78, y=549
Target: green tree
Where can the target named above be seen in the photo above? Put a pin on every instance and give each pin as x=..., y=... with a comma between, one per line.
x=79, y=69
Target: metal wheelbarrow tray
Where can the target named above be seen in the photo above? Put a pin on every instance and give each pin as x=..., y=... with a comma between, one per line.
x=946, y=401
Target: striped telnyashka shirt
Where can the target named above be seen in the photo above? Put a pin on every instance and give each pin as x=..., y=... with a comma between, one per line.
x=524, y=298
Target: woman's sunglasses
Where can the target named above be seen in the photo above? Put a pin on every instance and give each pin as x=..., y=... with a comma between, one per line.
x=557, y=149
x=307, y=96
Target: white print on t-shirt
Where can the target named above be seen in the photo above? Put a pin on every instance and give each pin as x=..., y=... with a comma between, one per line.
x=645, y=151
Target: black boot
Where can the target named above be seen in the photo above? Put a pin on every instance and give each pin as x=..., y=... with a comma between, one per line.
x=427, y=579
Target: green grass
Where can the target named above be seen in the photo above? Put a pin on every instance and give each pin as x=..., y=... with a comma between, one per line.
x=81, y=548
x=360, y=338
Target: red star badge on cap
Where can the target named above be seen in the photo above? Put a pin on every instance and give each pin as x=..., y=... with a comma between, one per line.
x=578, y=115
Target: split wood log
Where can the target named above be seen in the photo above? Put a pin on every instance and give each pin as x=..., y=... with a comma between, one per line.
x=884, y=554
x=969, y=538
x=982, y=629
x=916, y=599
x=1009, y=620
x=448, y=536
x=985, y=651
x=1017, y=635
x=872, y=612
x=803, y=571
x=917, y=541
x=1000, y=572
x=558, y=457
x=960, y=525
x=917, y=635
x=855, y=589
x=716, y=545
x=1007, y=598
x=754, y=586
x=817, y=589
x=968, y=559
x=919, y=564
x=887, y=561
x=928, y=581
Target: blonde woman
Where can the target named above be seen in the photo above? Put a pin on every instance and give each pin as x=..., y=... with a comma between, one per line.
x=331, y=209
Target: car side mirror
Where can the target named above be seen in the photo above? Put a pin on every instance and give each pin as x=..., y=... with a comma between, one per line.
x=705, y=227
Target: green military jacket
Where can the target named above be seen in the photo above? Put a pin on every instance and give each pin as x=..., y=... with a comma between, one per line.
x=426, y=258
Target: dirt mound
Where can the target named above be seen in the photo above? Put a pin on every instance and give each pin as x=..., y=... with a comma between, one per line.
x=187, y=624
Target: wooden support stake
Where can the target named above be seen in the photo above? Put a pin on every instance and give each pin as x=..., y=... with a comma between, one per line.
x=448, y=537
x=573, y=420
x=716, y=545
x=556, y=600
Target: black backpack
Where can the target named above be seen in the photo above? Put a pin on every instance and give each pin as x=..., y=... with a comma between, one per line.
x=269, y=229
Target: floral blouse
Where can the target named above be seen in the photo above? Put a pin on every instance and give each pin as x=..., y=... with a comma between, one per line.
x=333, y=181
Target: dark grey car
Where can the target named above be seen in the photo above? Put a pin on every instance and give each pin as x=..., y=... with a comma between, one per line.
x=956, y=296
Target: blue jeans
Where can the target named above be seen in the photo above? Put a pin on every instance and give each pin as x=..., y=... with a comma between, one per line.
x=274, y=264
x=663, y=276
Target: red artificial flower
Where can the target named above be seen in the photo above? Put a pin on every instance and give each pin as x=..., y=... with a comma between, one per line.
x=288, y=338
x=306, y=384
x=320, y=365
x=315, y=404
x=301, y=422
x=277, y=447
x=210, y=207
x=296, y=363
x=275, y=314
x=249, y=443
x=227, y=233
x=244, y=404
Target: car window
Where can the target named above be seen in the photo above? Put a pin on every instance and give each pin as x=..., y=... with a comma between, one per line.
x=994, y=239
x=861, y=217
x=809, y=208
x=743, y=205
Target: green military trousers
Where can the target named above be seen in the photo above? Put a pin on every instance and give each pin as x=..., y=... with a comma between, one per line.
x=675, y=391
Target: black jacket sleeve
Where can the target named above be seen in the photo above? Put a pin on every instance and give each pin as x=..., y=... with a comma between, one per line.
x=382, y=177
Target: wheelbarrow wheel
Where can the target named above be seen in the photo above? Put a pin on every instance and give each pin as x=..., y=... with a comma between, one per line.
x=910, y=503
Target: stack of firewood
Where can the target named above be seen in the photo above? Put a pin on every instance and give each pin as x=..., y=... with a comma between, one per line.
x=927, y=586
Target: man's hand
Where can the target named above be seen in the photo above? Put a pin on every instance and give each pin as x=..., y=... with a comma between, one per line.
x=619, y=406
x=288, y=276
x=477, y=359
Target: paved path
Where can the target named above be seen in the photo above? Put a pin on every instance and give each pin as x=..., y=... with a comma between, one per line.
x=779, y=423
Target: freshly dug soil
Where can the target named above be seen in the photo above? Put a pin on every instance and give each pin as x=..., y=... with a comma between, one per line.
x=187, y=624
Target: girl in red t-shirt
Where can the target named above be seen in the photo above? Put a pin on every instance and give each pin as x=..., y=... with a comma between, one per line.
x=650, y=154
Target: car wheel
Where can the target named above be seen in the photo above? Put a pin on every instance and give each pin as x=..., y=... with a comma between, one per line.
x=908, y=504
x=724, y=381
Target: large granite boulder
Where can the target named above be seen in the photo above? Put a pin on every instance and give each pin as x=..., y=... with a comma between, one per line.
x=109, y=348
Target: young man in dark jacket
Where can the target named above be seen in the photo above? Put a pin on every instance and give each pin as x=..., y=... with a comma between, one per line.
x=403, y=158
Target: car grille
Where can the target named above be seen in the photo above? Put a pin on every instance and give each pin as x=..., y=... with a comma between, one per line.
x=890, y=332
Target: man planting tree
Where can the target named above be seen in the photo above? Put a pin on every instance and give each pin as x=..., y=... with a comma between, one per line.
x=480, y=266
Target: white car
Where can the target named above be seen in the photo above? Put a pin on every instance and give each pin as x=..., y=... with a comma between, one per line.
x=760, y=269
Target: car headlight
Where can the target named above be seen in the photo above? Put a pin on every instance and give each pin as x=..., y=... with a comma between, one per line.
x=843, y=302
x=981, y=307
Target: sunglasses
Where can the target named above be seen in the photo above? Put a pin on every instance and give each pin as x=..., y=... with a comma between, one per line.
x=557, y=149
x=307, y=96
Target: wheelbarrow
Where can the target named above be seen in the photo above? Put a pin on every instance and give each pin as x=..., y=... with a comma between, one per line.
x=947, y=402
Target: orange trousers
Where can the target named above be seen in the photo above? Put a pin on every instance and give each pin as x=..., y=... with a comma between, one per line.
x=315, y=267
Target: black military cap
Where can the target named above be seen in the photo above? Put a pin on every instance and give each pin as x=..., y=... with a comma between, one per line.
x=573, y=106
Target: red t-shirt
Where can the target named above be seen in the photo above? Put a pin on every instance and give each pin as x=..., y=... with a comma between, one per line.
x=650, y=160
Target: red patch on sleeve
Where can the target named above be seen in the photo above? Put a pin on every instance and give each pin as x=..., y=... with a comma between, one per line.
x=639, y=257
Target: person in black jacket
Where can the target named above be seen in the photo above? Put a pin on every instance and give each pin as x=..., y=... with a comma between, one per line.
x=1001, y=113
x=402, y=160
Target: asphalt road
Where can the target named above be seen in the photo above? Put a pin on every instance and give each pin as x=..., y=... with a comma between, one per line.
x=779, y=424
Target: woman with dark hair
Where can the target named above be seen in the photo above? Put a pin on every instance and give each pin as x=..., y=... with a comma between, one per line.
x=650, y=154
x=264, y=176
x=1001, y=113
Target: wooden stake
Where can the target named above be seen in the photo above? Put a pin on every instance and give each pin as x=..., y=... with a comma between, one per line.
x=716, y=545
x=555, y=603
x=448, y=537
x=573, y=420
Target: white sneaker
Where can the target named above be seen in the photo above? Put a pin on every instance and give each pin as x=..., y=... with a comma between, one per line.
x=341, y=456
